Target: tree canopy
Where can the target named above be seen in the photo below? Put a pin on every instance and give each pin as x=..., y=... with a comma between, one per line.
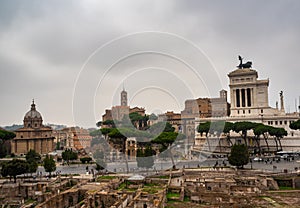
x=239, y=155
x=32, y=155
x=243, y=127
x=145, y=158
x=49, y=164
x=69, y=154
x=160, y=127
x=166, y=139
x=33, y=158
x=14, y=168
x=5, y=136
x=295, y=125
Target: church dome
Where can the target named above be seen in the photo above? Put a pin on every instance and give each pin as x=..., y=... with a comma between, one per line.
x=33, y=113
x=33, y=119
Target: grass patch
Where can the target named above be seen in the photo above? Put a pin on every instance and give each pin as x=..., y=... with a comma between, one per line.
x=172, y=195
x=106, y=177
x=29, y=201
x=124, y=186
x=149, y=185
x=186, y=199
x=286, y=188
x=164, y=177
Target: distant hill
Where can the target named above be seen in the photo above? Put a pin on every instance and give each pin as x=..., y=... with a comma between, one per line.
x=12, y=127
x=56, y=126
x=17, y=126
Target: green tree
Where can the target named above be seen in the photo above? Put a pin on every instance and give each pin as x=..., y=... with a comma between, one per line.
x=263, y=130
x=49, y=164
x=99, y=123
x=204, y=128
x=145, y=158
x=33, y=158
x=239, y=155
x=110, y=123
x=4, y=137
x=243, y=127
x=135, y=116
x=165, y=139
x=295, y=125
x=69, y=154
x=105, y=132
x=32, y=155
x=160, y=127
x=14, y=168
x=32, y=167
x=278, y=134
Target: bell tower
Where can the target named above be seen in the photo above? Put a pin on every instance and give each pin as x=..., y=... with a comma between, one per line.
x=124, y=98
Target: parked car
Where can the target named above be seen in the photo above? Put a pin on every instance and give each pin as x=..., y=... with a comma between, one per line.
x=285, y=156
x=257, y=159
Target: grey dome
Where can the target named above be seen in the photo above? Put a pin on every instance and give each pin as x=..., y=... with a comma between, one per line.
x=33, y=113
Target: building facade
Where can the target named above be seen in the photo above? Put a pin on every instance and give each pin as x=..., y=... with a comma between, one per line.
x=117, y=113
x=248, y=94
x=34, y=135
x=173, y=118
x=203, y=108
x=220, y=106
x=250, y=102
x=73, y=138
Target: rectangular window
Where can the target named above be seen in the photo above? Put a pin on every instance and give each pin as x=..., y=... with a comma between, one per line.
x=276, y=122
x=248, y=97
x=238, y=98
x=285, y=122
x=243, y=98
x=280, y=122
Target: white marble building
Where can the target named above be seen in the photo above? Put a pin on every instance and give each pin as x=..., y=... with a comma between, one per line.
x=250, y=102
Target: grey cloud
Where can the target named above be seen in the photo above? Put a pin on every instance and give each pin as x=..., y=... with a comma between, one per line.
x=45, y=43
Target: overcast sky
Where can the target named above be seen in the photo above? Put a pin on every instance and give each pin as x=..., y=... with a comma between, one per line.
x=73, y=57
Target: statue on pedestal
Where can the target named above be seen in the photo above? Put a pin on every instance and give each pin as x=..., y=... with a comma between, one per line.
x=248, y=64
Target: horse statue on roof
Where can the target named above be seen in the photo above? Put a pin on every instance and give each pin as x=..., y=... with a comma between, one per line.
x=248, y=64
